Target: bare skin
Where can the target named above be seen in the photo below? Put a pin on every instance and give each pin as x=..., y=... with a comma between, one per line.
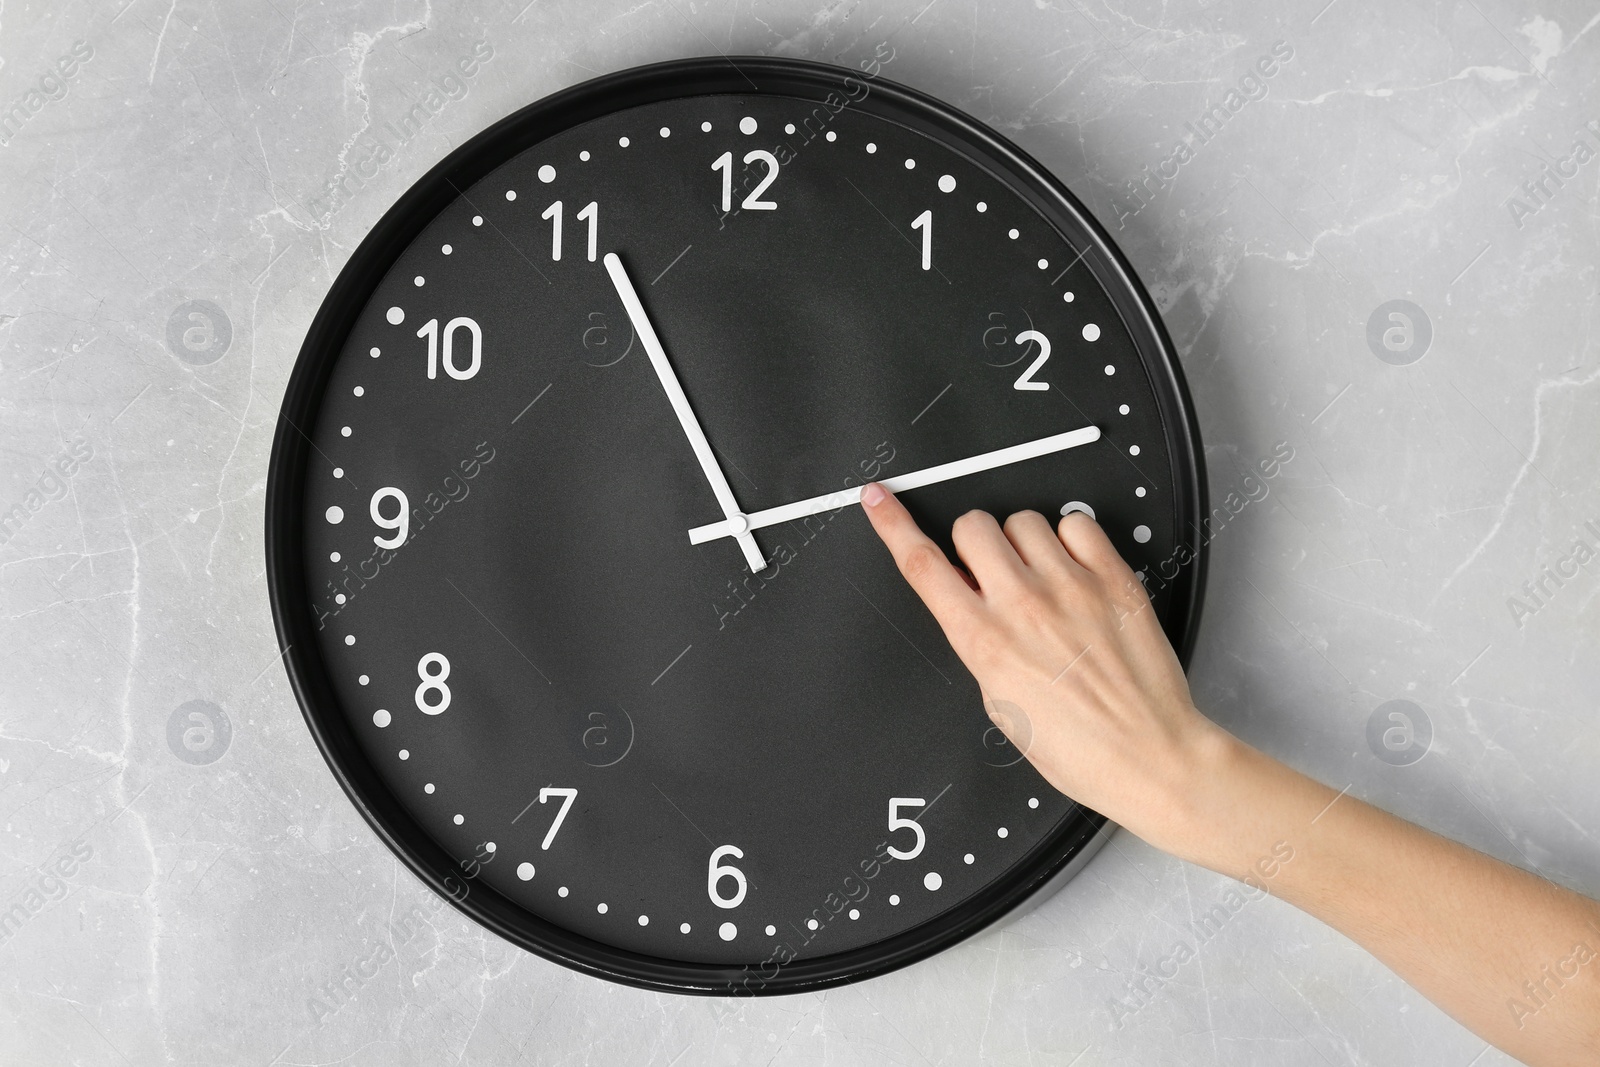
x=1075, y=668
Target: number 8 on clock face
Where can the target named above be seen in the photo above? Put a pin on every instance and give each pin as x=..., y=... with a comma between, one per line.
x=573, y=489
x=433, y=669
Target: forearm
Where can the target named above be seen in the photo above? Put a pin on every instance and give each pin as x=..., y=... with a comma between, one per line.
x=1514, y=958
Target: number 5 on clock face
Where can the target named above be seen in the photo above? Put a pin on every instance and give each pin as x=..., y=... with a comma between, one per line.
x=897, y=823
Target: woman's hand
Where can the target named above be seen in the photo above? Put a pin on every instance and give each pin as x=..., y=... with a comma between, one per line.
x=1073, y=664
x=1076, y=670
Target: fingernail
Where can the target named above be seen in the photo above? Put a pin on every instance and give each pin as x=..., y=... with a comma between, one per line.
x=873, y=495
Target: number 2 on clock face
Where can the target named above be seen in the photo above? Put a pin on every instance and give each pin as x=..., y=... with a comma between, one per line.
x=1025, y=379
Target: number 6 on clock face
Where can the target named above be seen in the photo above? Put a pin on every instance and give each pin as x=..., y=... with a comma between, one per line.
x=718, y=872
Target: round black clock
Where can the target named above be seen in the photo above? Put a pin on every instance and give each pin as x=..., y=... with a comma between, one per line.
x=561, y=536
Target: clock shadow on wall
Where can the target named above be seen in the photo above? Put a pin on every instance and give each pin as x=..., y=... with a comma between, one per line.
x=561, y=537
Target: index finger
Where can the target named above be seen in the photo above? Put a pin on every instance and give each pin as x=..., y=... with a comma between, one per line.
x=921, y=562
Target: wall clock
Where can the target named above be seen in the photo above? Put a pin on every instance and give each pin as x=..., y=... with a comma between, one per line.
x=561, y=541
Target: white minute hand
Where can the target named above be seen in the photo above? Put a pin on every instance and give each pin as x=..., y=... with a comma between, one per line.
x=733, y=523
x=943, y=472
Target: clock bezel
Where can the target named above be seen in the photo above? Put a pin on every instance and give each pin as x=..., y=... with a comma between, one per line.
x=1046, y=865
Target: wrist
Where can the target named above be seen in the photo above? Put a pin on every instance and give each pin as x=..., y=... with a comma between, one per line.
x=1189, y=798
x=1233, y=806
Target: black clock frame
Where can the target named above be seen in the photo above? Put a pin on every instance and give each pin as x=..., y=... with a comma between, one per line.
x=1051, y=860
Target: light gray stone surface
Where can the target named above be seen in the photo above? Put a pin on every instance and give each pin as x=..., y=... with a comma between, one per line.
x=189, y=158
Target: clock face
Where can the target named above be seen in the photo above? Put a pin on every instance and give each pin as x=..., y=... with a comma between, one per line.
x=563, y=541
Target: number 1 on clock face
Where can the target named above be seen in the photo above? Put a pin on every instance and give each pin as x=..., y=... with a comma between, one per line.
x=924, y=222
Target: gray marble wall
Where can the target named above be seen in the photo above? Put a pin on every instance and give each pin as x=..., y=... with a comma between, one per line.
x=1386, y=258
